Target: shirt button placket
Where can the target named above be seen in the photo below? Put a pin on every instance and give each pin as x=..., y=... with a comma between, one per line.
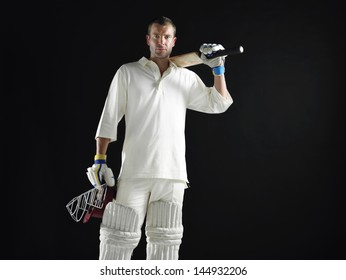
x=158, y=86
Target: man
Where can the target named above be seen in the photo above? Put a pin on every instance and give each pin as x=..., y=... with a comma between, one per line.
x=153, y=95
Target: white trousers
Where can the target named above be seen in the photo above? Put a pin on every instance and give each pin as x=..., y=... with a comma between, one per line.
x=161, y=202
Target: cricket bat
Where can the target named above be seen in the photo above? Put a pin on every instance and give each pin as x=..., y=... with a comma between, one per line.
x=193, y=58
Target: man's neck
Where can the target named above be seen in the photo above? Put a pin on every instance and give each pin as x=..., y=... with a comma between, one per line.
x=162, y=63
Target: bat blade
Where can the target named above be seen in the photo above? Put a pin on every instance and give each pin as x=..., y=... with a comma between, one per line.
x=193, y=58
x=187, y=59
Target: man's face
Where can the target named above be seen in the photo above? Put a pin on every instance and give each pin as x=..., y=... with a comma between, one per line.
x=161, y=40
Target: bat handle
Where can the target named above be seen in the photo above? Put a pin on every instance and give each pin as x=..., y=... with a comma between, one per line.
x=227, y=51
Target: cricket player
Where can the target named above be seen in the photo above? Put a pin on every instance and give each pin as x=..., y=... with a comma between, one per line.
x=152, y=94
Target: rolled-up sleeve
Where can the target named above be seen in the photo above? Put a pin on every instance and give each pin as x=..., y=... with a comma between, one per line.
x=114, y=107
x=207, y=99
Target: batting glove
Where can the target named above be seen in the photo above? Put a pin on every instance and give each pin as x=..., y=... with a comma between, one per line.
x=217, y=63
x=99, y=172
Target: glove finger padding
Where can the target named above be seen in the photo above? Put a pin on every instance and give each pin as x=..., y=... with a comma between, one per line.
x=208, y=49
x=109, y=177
x=94, y=178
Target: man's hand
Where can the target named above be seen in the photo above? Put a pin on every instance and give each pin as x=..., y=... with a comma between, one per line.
x=209, y=49
x=99, y=172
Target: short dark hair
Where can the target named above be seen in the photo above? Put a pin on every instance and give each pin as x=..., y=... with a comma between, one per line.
x=162, y=20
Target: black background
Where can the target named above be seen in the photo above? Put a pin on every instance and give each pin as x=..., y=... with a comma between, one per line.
x=267, y=176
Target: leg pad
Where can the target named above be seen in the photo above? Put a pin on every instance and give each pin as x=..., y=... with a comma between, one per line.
x=164, y=230
x=119, y=232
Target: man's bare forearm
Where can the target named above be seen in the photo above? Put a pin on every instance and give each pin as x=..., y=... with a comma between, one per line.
x=220, y=85
x=102, y=145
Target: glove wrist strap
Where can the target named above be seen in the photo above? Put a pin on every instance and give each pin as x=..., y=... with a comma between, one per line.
x=219, y=70
x=100, y=158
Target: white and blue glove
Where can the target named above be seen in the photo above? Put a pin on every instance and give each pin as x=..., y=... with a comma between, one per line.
x=100, y=172
x=217, y=63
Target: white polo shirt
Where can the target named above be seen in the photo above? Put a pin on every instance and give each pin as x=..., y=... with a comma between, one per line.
x=155, y=108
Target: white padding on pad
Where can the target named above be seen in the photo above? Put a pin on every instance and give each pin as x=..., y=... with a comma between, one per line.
x=164, y=230
x=119, y=232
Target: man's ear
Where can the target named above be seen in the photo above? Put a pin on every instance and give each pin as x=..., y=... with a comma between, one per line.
x=147, y=39
x=174, y=40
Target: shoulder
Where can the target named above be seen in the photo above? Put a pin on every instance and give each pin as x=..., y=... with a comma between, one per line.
x=129, y=65
x=128, y=68
x=185, y=71
x=186, y=74
x=132, y=66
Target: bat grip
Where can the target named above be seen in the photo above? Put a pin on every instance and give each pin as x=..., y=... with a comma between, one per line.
x=227, y=51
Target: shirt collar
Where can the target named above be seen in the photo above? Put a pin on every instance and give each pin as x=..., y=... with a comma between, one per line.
x=144, y=61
